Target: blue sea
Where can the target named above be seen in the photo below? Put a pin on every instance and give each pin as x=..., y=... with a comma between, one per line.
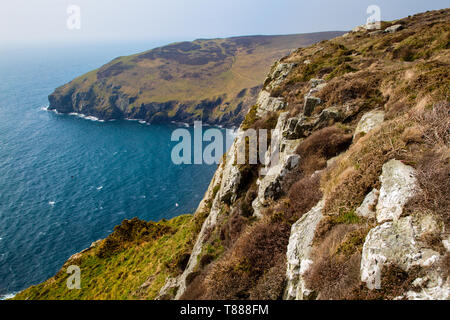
x=66, y=181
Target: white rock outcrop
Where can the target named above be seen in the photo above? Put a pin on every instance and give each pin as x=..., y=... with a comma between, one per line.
x=266, y=103
x=299, y=253
x=279, y=162
x=368, y=207
x=398, y=185
x=399, y=240
x=369, y=121
x=399, y=243
x=394, y=28
x=279, y=73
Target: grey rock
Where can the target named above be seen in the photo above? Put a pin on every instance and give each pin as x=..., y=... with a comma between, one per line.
x=369, y=121
x=310, y=104
x=398, y=185
x=331, y=113
x=398, y=242
x=266, y=103
x=375, y=33
x=299, y=253
x=368, y=207
x=394, y=28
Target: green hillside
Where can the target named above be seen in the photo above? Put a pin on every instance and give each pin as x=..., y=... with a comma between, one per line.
x=213, y=80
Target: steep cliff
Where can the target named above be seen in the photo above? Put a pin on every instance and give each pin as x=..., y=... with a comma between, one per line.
x=211, y=80
x=350, y=201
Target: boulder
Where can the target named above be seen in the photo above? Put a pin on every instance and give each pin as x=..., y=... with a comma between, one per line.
x=394, y=28
x=289, y=129
x=266, y=103
x=368, y=207
x=392, y=243
x=280, y=72
x=310, y=104
x=375, y=33
x=398, y=185
x=369, y=121
x=330, y=115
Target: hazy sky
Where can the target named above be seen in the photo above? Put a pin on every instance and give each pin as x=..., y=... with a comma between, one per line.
x=45, y=21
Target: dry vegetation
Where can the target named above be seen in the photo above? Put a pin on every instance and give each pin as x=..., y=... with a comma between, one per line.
x=364, y=73
x=404, y=73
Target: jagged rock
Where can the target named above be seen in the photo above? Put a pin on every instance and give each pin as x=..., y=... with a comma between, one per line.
x=299, y=253
x=368, y=207
x=175, y=287
x=331, y=161
x=369, y=121
x=302, y=127
x=400, y=242
x=394, y=28
x=363, y=28
x=316, y=88
x=375, y=33
x=397, y=243
x=330, y=115
x=166, y=292
x=398, y=185
x=432, y=287
x=266, y=103
x=289, y=129
x=278, y=162
x=310, y=104
x=280, y=73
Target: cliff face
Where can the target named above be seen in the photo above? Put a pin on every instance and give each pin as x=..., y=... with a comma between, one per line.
x=211, y=80
x=357, y=205
x=351, y=209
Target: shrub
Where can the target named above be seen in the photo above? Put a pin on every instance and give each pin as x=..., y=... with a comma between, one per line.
x=271, y=285
x=304, y=195
x=255, y=252
x=394, y=283
x=130, y=231
x=359, y=85
x=333, y=274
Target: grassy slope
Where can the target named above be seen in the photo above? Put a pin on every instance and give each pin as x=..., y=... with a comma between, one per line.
x=132, y=263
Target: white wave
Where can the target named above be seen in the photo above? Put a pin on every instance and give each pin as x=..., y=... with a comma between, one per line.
x=49, y=110
x=91, y=118
x=7, y=296
x=100, y=188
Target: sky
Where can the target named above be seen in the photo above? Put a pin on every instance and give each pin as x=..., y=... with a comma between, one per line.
x=46, y=21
